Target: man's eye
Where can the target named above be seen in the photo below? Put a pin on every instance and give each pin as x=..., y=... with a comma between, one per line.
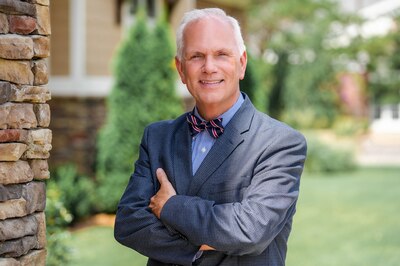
x=222, y=54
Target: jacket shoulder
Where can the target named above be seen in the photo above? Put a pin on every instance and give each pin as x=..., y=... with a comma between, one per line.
x=280, y=128
x=167, y=125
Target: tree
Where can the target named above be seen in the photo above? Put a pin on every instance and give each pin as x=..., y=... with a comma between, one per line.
x=251, y=84
x=144, y=92
x=297, y=39
x=383, y=66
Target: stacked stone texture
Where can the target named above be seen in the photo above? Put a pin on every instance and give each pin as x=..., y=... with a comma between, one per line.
x=25, y=140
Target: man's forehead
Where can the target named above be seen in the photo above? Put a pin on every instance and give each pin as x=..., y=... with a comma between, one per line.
x=209, y=21
x=208, y=30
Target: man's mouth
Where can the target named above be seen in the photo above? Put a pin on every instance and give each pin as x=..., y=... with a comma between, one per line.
x=211, y=82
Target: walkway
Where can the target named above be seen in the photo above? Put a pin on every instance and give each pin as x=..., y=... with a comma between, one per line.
x=379, y=149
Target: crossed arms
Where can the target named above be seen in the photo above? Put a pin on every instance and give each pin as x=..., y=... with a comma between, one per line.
x=165, y=192
x=156, y=223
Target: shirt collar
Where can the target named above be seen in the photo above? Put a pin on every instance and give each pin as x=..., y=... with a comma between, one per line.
x=227, y=116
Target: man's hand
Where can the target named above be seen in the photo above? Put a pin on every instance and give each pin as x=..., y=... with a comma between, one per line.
x=160, y=198
x=165, y=192
x=206, y=248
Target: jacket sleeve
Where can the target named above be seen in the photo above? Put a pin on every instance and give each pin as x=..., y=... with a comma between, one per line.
x=138, y=228
x=249, y=226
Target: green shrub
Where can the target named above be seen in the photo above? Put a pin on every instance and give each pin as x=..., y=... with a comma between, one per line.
x=77, y=192
x=309, y=118
x=350, y=126
x=323, y=158
x=57, y=219
x=59, y=252
x=251, y=84
x=143, y=92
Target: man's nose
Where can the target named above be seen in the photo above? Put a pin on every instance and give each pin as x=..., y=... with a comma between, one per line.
x=209, y=65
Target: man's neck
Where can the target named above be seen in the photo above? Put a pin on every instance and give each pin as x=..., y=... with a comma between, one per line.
x=213, y=111
x=226, y=114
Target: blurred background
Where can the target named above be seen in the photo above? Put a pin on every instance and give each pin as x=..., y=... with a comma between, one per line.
x=329, y=68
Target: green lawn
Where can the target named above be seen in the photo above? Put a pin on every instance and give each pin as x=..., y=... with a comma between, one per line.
x=95, y=246
x=348, y=219
x=343, y=219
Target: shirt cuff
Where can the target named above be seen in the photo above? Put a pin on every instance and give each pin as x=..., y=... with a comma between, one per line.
x=198, y=255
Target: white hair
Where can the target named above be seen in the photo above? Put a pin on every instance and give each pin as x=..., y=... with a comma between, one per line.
x=197, y=14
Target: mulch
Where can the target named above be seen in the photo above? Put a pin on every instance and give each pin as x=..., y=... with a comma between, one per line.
x=101, y=219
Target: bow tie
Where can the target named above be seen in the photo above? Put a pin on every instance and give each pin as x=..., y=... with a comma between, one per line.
x=214, y=127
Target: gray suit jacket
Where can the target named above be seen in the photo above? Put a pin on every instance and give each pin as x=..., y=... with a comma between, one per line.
x=240, y=201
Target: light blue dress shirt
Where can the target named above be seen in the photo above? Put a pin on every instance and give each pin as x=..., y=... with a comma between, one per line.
x=203, y=142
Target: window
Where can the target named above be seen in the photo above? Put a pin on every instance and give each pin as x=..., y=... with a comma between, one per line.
x=377, y=112
x=395, y=111
x=126, y=10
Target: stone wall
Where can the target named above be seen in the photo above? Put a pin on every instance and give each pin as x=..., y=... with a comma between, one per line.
x=25, y=140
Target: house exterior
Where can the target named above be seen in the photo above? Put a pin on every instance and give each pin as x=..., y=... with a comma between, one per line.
x=86, y=34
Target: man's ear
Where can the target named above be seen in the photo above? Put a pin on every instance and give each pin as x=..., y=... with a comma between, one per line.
x=243, y=64
x=179, y=67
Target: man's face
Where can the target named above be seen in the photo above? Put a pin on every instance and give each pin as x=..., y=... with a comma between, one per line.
x=211, y=66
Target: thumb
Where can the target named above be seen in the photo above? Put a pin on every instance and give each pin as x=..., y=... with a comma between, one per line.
x=161, y=176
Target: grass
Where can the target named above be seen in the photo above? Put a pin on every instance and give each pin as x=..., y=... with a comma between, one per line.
x=343, y=219
x=348, y=219
x=95, y=246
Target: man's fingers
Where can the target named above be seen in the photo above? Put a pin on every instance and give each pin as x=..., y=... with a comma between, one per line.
x=205, y=247
x=165, y=192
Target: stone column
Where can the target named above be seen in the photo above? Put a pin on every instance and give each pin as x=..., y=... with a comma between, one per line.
x=25, y=140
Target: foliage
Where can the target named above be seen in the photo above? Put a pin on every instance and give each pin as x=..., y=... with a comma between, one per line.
x=324, y=158
x=383, y=65
x=57, y=215
x=297, y=38
x=350, y=126
x=57, y=218
x=59, y=250
x=76, y=192
x=251, y=84
x=143, y=92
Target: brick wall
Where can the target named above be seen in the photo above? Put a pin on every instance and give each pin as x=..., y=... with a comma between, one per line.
x=25, y=140
x=75, y=125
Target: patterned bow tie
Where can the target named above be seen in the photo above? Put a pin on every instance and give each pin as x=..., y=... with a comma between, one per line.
x=214, y=127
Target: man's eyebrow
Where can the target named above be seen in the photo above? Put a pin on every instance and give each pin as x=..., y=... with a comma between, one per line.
x=192, y=52
x=224, y=50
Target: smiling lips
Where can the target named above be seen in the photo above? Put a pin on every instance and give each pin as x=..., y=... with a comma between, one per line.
x=211, y=82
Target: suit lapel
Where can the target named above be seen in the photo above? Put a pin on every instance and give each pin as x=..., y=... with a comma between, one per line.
x=182, y=159
x=224, y=146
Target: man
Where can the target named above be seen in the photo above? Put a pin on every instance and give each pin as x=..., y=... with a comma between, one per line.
x=213, y=192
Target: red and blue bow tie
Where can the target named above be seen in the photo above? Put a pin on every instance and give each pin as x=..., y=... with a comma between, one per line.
x=196, y=125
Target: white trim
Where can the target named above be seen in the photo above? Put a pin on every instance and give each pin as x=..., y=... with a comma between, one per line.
x=77, y=17
x=99, y=86
x=381, y=8
x=379, y=16
x=95, y=86
x=377, y=27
